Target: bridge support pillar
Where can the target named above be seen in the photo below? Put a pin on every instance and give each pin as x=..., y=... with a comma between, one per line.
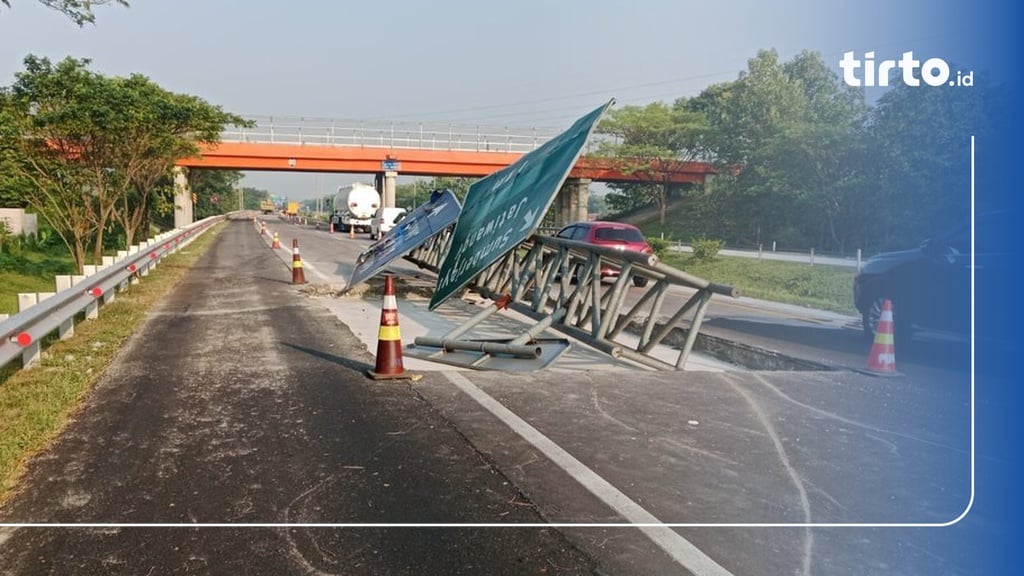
x=390, y=186
x=573, y=199
x=386, y=184
x=183, y=209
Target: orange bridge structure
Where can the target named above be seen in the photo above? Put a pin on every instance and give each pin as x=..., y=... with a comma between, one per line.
x=386, y=150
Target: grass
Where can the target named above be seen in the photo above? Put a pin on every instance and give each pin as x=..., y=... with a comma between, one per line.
x=36, y=403
x=13, y=283
x=821, y=287
x=28, y=271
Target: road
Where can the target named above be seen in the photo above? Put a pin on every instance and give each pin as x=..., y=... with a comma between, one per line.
x=243, y=401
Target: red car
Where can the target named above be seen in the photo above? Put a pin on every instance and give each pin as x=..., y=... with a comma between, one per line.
x=612, y=234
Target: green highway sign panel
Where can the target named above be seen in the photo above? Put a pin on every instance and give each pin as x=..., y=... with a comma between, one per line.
x=504, y=208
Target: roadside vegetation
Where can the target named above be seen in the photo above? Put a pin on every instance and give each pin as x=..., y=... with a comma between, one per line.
x=38, y=402
x=799, y=159
x=820, y=287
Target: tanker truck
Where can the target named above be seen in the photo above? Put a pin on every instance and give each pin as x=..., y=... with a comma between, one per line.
x=354, y=207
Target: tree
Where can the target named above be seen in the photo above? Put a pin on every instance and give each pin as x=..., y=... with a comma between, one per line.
x=217, y=191
x=46, y=149
x=921, y=158
x=79, y=11
x=650, y=142
x=92, y=147
x=416, y=193
x=156, y=128
x=788, y=138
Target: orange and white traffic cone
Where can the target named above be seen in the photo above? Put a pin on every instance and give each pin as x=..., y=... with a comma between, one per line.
x=277, y=242
x=263, y=228
x=298, y=276
x=882, y=358
x=389, y=341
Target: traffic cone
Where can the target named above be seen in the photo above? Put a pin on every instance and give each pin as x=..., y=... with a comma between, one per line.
x=277, y=242
x=882, y=359
x=389, y=341
x=263, y=228
x=298, y=276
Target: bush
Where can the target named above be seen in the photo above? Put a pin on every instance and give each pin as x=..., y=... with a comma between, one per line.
x=659, y=245
x=705, y=250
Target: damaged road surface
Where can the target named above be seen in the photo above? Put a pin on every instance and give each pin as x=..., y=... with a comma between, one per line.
x=240, y=402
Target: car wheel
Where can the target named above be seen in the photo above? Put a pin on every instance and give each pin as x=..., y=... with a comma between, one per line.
x=902, y=330
x=639, y=281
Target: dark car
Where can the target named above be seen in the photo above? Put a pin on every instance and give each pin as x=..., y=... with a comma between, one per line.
x=611, y=234
x=929, y=286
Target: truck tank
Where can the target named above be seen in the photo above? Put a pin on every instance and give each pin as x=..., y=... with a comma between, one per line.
x=354, y=207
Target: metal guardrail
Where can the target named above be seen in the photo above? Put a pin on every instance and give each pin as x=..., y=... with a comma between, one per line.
x=24, y=333
x=398, y=135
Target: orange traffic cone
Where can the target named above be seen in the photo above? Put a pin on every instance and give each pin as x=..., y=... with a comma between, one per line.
x=277, y=242
x=298, y=276
x=389, y=341
x=882, y=359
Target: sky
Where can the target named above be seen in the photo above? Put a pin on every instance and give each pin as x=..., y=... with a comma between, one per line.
x=527, y=63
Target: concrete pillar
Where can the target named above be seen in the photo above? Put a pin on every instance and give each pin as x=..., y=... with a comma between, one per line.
x=581, y=197
x=390, y=184
x=572, y=200
x=182, y=199
x=562, y=217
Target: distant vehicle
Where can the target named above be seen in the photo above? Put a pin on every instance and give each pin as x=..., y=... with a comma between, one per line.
x=611, y=234
x=929, y=286
x=293, y=209
x=267, y=206
x=384, y=220
x=354, y=207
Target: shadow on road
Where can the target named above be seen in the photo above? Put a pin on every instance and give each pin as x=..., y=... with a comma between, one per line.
x=340, y=360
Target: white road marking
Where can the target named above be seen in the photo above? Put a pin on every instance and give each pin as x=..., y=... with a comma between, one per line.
x=680, y=549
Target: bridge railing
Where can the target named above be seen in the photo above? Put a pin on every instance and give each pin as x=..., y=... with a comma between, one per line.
x=399, y=135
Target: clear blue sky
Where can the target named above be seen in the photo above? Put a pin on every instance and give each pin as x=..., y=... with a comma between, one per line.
x=520, y=63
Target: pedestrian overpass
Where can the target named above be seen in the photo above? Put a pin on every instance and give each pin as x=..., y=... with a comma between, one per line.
x=387, y=149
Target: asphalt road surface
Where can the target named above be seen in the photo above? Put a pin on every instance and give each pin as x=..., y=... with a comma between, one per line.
x=242, y=403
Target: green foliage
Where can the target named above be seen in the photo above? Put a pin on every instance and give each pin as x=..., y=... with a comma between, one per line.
x=821, y=287
x=805, y=162
x=86, y=152
x=216, y=191
x=27, y=262
x=79, y=11
x=649, y=141
x=705, y=249
x=659, y=245
x=413, y=194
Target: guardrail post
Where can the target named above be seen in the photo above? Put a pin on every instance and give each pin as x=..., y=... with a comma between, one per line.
x=108, y=296
x=121, y=255
x=67, y=327
x=858, y=259
x=30, y=353
x=812, y=256
x=92, y=309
